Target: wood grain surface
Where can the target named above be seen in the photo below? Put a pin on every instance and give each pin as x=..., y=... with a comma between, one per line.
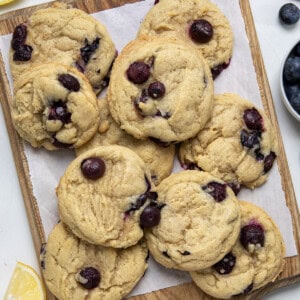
x=291, y=272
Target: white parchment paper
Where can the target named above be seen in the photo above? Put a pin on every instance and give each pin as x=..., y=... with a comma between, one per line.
x=46, y=167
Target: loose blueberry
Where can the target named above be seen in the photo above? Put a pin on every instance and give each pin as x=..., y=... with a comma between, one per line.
x=215, y=71
x=253, y=119
x=156, y=90
x=93, y=168
x=150, y=216
x=289, y=13
x=69, y=82
x=59, y=111
x=23, y=53
x=297, y=49
x=268, y=161
x=291, y=90
x=201, y=31
x=89, y=278
x=216, y=190
x=226, y=265
x=87, y=51
x=295, y=102
x=138, y=72
x=291, y=69
x=19, y=36
x=252, y=234
x=250, y=139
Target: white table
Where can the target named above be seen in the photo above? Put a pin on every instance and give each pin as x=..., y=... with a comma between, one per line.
x=275, y=40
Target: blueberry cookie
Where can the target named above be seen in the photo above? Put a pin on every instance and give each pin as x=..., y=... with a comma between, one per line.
x=200, y=221
x=103, y=194
x=238, y=144
x=160, y=89
x=199, y=23
x=74, y=269
x=50, y=106
x=158, y=159
x=256, y=259
x=64, y=35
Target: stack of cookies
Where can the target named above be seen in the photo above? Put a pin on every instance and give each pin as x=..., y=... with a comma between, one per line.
x=117, y=199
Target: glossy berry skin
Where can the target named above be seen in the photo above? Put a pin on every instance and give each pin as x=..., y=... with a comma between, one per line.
x=150, y=216
x=201, y=31
x=268, y=161
x=216, y=190
x=138, y=72
x=19, y=36
x=252, y=234
x=289, y=13
x=291, y=69
x=23, y=53
x=89, y=278
x=93, y=168
x=69, y=82
x=226, y=265
x=156, y=90
x=253, y=119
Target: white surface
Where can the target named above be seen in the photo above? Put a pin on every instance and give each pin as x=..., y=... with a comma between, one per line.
x=16, y=243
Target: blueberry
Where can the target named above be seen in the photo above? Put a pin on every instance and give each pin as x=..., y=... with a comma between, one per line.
x=87, y=51
x=156, y=90
x=252, y=234
x=268, y=161
x=150, y=216
x=93, y=168
x=215, y=71
x=226, y=264
x=23, y=53
x=69, y=82
x=250, y=139
x=59, y=111
x=216, y=190
x=291, y=69
x=201, y=31
x=295, y=102
x=88, y=278
x=291, y=89
x=289, y=13
x=253, y=119
x=19, y=36
x=138, y=72
x=297, y=50
x=235, y=186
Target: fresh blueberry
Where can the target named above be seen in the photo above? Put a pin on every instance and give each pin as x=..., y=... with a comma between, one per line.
x=88, y=278
x=216, y=190
x=268, y=161
x=295, y=102
x=156, y=90
x=291, y=89
x=291, y=69
x=59, y=111
x=297, y=49
x=252, y=234
x=201, y=31
x=150, y=216
x=289, y=13
x=226, y=265
x=138, y=72
x=93, y=168
x=23, y=53
x=253, y=119
x=69, y=82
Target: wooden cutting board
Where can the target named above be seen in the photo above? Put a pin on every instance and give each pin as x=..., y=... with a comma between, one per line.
x=189, y=291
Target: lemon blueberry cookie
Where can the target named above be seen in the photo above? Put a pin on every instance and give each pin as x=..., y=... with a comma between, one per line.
x=160, y=89
x=103, y=194
x=238, y=144
x=75, y=269
x=158, y=159
x=199, y=23
x=200, y=221
x=256, y=259
x=64, y=35
x=50, y=106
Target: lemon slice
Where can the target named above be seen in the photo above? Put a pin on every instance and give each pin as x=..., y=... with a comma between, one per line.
x=25, y=284
x=2, y=2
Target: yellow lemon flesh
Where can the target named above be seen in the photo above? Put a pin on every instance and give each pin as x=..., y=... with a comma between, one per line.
x=2, y=2
x=25, y=284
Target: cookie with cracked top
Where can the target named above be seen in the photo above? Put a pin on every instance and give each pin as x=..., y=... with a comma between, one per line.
x=50, y=106
x=75, y=269
x=256, y=259
x=160, y=89
x=238, y=144
x=200, y=221
x=66, y=36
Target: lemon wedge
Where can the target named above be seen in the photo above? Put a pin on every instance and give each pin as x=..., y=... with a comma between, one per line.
x=2, y=2
x=25, y=284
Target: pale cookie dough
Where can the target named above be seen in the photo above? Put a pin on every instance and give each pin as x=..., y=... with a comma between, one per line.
x=64, y=35
x=50, y=106
x=238, y=144
x=200, y=221
x=102, y=195
x=75, y=270
x=256, y=259
x=158, y=159
x=160, y=89
x=176, y=18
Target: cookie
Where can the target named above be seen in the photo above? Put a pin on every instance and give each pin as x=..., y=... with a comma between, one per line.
x=74, y=269
x=256, y=259
x=160, y=89
x=158, y=159
x=50, y=106
x=200, y=221
x=238, y=144
x=198, y=23
x=67, y=36
x=102, y=195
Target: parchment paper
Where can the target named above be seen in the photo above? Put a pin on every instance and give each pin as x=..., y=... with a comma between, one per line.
x=46, y=167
